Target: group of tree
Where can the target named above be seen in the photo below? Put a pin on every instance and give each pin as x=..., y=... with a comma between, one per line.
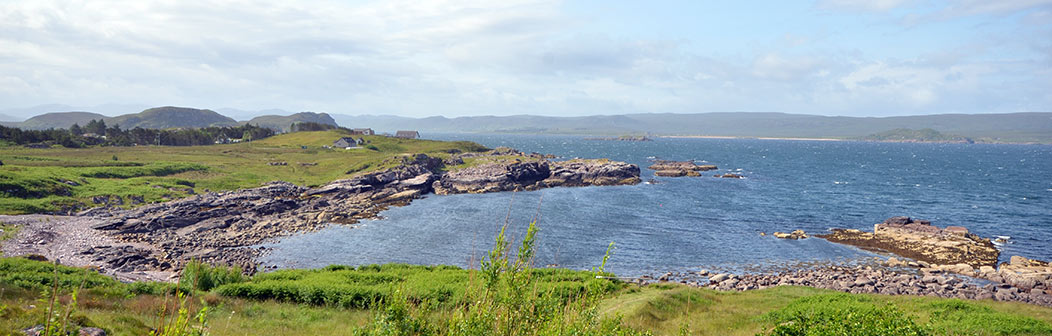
x=97, y=133
x=309, y=126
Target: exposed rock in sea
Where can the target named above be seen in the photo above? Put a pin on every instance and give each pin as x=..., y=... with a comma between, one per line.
x=918, y=239
x=679, y=168
x=796, y=234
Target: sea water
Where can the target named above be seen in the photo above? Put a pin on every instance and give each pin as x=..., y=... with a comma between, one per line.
x=689, y=223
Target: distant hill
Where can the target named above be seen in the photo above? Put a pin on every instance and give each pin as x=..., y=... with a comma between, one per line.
x=4, y=117
x=158, y=118
x=1004, y=127
x=912, y=135
x=172, y=117
x=24, y=113
x=284, y=123
x=59, y=120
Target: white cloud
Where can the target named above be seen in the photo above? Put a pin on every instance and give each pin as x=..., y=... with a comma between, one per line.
x=465, y=57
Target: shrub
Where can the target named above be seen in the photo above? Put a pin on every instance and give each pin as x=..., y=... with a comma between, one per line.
x=841, y=314
x=39, y=275
x=205, y=277
x=956, y=316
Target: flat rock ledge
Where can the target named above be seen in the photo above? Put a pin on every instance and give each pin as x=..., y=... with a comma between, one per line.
x=667, y=168
x=919, y=240
x=223, y=227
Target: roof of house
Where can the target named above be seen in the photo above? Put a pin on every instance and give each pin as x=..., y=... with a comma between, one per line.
x=349, y=140
x=407, y=133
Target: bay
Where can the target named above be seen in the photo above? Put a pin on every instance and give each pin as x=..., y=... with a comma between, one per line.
x=713, y=223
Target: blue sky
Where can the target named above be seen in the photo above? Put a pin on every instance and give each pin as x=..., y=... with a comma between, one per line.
x=455, y=58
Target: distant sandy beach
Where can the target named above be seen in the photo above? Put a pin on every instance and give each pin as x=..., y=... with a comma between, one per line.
x=738, y=137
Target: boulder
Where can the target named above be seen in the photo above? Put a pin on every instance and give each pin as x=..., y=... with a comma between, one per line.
x=719, y=277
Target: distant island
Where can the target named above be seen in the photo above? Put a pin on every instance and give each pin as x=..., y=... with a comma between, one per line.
x=622, y=138
x=921, y=135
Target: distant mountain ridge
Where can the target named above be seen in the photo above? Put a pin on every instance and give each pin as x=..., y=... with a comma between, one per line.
x=1003, y=127
x=1023, y=127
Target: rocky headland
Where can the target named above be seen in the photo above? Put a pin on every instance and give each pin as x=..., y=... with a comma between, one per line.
x=153, y=241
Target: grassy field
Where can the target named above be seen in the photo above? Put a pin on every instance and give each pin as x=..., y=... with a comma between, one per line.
x=55, y=179
x=663, y=309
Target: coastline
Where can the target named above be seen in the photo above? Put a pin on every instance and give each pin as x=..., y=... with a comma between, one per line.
x=152, y=242
x=745, y=137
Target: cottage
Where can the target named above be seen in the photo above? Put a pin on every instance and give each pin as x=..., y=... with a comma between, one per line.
x=345, y=142
x=407, y=134
x=362, y=131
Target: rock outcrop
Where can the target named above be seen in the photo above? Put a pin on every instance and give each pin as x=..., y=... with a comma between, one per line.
x=531, y=172
x=1024, y=273
x=918, y=239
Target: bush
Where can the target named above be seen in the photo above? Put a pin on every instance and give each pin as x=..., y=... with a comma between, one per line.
x=40, y=275
x=956, y=316
x=841, y=314
x=205, y=277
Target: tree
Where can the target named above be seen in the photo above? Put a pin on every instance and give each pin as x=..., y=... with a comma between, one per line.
x=75, y=130
x=95, y=126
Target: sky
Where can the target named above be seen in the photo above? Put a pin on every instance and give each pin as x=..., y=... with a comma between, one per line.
x=560, y=58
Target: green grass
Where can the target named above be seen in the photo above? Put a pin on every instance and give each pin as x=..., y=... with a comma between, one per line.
x=60, y=179
x=7, y=231
x=669, y=309
x=664, y=309
x=365, y=286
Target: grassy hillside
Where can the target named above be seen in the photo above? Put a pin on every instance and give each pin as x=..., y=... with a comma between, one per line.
x=172, y=117
x=663, y=309
x=60, y=179
x=157, y=118
x=284, y=123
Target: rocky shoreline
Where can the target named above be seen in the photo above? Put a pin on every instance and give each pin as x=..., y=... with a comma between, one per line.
x=877, y=278
x=947, y=262
x=153, y=241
